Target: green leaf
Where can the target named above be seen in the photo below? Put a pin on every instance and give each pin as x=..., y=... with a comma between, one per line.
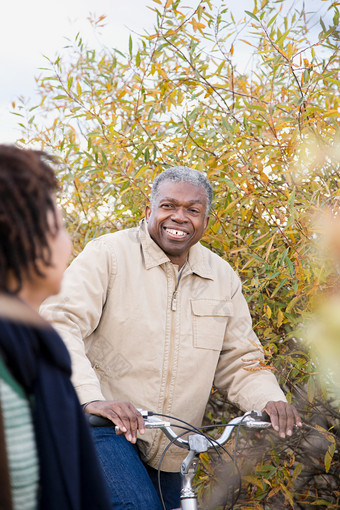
x=104, y=157
x=138, y=59
x=321, y=502
x=252, y=15
x=279, y=286
x=322, y=24
x=291, y=199
x=130, y=45
x=272, y=19
x=220, y=67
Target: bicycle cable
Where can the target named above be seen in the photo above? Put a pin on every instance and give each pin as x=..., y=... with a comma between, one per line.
x=161, y=460
x=198, y=430
x=192, y=428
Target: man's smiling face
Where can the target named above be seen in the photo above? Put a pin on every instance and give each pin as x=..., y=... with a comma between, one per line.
x=177, y=219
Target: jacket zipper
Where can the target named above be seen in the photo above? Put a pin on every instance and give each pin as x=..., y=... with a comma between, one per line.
x=174, y=294
x=173, y=308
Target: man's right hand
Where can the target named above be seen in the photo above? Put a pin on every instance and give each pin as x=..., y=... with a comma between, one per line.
x=122, y=414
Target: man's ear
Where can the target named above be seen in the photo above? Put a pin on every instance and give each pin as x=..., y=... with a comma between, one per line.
x=206, y=222
x=147, y=212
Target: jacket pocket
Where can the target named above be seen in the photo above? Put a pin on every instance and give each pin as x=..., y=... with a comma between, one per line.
x=210, y=317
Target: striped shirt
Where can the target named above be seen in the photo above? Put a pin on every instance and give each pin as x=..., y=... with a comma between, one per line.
x=20, y=442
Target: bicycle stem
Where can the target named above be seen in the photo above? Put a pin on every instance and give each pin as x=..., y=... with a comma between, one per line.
x=188, y=470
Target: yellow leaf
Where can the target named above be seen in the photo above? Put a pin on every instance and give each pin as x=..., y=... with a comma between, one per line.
x=290, y=49
x=283, y=53
x=311, y=390
x=264, y=177
x=280, y=318
x=288, y=494
x=293, y=302
x=254, y=481
x=168, y=3
x=332, y=113
x=193, y=38
x=194, y=24
x=163, y=73
x=267, y=311
x=247, y=42
x=200, y=25
x=232, y=204
x=329, y=456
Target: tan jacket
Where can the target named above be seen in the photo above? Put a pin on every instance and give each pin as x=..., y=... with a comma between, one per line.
x=133, y=337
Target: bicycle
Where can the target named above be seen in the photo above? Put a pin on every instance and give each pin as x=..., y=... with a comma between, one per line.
x=197, y=443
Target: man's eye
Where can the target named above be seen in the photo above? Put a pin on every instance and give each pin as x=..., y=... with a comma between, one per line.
x=195, y=211
x=166, y=206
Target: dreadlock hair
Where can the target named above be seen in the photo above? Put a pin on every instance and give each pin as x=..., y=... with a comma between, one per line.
x=27, y=183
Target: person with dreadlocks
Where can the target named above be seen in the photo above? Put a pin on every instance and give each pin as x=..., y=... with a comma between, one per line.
x=47, y=459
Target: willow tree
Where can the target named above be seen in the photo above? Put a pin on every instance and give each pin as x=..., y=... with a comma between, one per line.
x=265, y=132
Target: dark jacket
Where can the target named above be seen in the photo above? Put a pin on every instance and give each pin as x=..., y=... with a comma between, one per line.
x=70, y=475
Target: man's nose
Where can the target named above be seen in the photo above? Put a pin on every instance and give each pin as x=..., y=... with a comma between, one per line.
x=179, y=215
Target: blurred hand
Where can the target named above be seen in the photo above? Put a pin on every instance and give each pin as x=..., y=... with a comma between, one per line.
x=283, y=417
x=122, y=414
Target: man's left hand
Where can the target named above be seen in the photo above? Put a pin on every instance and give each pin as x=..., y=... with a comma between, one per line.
x=283, y=417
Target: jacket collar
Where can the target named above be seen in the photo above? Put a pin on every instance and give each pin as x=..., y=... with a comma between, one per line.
x=155, y=256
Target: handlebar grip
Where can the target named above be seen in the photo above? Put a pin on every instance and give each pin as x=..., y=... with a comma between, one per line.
x=260, y=416
x=98, y=421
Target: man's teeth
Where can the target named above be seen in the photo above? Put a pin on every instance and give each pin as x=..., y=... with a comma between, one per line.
x=179, y=233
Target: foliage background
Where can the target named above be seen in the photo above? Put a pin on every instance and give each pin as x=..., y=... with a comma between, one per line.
x=268, y=140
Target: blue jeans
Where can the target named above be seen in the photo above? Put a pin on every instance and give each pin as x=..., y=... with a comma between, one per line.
x=132, y=485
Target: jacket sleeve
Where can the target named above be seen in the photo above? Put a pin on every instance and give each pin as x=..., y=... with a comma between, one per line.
x=239, y=373
x=76, y=311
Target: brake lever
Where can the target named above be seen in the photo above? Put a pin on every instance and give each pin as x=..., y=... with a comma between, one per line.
x=257, y=420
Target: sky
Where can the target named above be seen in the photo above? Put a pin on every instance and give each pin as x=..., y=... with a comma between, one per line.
x=31, y=29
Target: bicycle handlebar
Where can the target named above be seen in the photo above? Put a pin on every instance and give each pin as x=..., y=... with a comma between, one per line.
x=251, y=419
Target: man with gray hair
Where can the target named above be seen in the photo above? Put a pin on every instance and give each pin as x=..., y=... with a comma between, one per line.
x=183, y=174
x=153, y=320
